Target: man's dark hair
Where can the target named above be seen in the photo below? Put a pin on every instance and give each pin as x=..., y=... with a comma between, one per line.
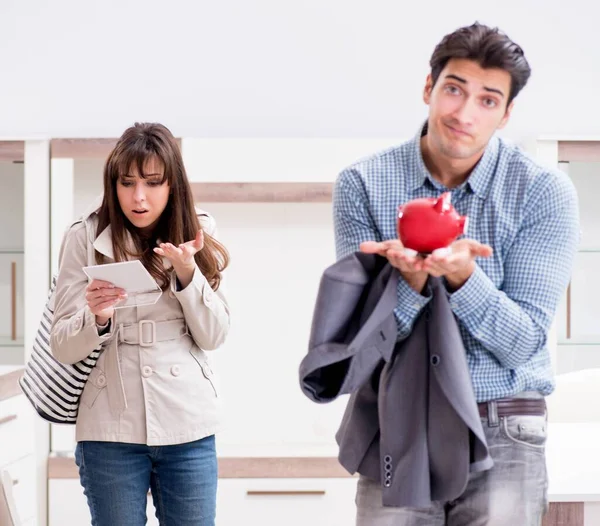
x=487, y=46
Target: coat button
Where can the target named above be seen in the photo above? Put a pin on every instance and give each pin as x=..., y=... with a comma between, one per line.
x=175, y=370
x=435, y=360
x=146, y=371
x=101, y=380
x=78, y=324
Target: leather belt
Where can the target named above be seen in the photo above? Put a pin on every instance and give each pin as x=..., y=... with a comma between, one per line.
x=515, y=406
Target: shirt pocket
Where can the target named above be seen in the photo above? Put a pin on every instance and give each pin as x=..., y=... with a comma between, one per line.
x=95, y=384
x=207, y=372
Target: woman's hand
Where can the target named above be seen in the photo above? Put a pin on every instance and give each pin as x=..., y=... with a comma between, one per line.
x=101, y=297
x=182, y=257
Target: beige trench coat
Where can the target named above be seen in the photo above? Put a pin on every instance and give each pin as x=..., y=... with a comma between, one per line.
x=152, y=383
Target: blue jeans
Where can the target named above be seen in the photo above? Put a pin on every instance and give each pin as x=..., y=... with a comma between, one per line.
x=116, y=478
x=512, y=493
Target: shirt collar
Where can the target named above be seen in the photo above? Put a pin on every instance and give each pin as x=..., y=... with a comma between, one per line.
x=480, y=179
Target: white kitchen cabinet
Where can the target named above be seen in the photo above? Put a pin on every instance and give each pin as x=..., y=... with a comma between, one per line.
x=24, y=283
x=579, y=312
x=11, y=262
x=17, y=450
x=293, y=502
x=576, y=342
x=268, y=502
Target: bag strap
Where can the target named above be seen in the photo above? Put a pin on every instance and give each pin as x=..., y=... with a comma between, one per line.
x=91, y=260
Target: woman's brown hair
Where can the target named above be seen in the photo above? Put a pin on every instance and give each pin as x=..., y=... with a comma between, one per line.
x=178, y=222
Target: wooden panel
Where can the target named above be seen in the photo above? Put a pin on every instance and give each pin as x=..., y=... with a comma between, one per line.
x=9, y=384
x=13, y=151
x=564, y=514
x=262, y=192
x=238, y=467
x=84, y=148
x=286, y=467
x=81, y=148
x=586, y=151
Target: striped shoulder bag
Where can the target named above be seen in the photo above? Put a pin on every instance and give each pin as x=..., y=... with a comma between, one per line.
x=54, y=388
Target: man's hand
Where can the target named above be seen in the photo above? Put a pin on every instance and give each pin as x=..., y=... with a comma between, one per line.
x=456, y=263
x=409, y=265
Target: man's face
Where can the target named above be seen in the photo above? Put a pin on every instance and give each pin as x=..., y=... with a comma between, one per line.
x=466, y=106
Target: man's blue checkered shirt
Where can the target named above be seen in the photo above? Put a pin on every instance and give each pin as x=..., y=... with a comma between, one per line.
x=527, y=213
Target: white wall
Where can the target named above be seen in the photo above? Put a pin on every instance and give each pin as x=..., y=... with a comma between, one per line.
x=87, y=184
x=239, y=68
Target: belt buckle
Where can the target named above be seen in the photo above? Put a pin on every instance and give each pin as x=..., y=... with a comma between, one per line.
x=141, y=341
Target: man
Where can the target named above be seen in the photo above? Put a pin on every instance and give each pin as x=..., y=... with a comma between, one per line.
x=504, y=279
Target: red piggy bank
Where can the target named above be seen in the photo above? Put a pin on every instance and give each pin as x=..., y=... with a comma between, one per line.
x=427, y=224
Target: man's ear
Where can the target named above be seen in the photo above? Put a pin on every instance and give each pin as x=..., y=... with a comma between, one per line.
x=507, y=114
x=427, y=89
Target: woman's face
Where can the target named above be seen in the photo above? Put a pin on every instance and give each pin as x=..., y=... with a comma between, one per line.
x=143, y=199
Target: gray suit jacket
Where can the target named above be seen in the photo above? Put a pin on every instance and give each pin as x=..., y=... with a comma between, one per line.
x=411, y=422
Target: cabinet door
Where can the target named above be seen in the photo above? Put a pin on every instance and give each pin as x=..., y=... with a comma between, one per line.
x=586, y=178
x=293, y=502
x=12, y=242
x=16, y=430
x=22, y=476
x=578, y=316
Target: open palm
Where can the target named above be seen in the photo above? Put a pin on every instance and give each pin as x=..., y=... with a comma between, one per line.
x=182, y=255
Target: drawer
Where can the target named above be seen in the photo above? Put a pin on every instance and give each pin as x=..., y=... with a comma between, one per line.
x=268, y=502
x=16, y=429
x=23, y=476
x=293, y=502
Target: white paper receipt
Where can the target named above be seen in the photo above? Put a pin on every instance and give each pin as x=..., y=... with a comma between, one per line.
x=131, y=276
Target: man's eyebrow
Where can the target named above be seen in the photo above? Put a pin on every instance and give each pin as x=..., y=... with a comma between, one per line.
x=463, y=81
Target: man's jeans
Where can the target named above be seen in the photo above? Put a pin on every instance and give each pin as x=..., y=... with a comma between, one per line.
x=512, y=493
x=116, y=478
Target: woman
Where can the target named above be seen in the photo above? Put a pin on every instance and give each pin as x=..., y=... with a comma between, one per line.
x=148, y=413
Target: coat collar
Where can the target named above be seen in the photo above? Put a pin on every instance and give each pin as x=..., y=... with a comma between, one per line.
x=103, y=243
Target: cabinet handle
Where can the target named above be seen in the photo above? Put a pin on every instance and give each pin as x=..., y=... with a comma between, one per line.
x=7, y=419
x=255, y=493
x=569, y=312
x=13, y=299
x=15, y=482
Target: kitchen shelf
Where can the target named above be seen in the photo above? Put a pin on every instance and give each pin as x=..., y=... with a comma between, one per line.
x=578, y=343
x=579, y=151
x=98, y=148
x=13, y=151
x=12, y=251
x=280, y=192
x=7, y=341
